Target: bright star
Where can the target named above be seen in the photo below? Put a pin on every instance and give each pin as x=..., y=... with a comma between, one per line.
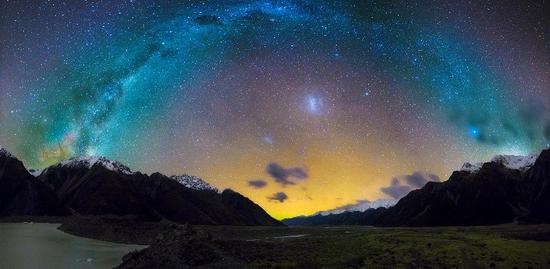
x=474, y=132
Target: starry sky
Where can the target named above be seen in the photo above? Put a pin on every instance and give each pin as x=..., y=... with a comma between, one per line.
x=300, y=105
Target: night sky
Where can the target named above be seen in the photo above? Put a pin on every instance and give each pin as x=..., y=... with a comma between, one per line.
x=300, y=105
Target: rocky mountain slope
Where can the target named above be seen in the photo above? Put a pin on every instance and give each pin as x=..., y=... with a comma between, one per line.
x=22, y=194
x=507, y=189
x=194, y=182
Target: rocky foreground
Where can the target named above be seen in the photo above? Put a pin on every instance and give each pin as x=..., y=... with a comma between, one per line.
x=182, y=247
x=173, y=245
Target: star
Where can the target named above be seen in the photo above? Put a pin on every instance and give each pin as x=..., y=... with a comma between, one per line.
x=474, y=132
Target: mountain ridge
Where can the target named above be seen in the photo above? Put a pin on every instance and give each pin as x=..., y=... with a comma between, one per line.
x=516, y=162
x=506, y=189
x=98, y=186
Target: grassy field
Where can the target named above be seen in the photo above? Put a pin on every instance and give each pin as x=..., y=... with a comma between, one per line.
x=507, y=246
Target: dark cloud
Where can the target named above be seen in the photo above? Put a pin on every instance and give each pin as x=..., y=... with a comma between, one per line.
x=532, y=116
x=208, y=20
x=533, y=113
x=280, y=197
x=418, y=180
x=547, y=131
x=396, y=190
x=402, y=185
x=257, y=17
x=285, y=176
x=258, y=184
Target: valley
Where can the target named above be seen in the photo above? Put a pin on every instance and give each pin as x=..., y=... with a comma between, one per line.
x=205, y=246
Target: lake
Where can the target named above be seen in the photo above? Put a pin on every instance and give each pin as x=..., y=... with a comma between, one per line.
x=39, y=245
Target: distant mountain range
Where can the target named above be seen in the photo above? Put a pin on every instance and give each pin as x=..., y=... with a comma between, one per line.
x=506, y=189
x=503, y=190
x=359, y=206
x=367, y=217
x=98, y=186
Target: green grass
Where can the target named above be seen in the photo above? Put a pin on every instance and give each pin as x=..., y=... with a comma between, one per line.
x=368, y=247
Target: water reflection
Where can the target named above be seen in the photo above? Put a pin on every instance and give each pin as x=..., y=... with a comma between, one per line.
x=43, y=246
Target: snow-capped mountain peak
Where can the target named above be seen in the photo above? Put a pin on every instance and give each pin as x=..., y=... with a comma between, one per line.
x=360, y=205
x=90, y=161
x=194, y=182
x=521, y=163
x=516, y=162
x=471, y=167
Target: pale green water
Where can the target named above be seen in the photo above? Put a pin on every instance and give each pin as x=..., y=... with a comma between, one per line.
x=43, y=246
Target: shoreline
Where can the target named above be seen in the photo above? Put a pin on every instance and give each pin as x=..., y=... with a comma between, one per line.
x=34, y=219
x=115, y=229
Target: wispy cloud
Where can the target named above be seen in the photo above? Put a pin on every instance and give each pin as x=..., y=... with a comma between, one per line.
x=258, y=183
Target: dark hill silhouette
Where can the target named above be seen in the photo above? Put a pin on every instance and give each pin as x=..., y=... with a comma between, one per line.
x=22, y=194
x=493, y=194
x=97, y=186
